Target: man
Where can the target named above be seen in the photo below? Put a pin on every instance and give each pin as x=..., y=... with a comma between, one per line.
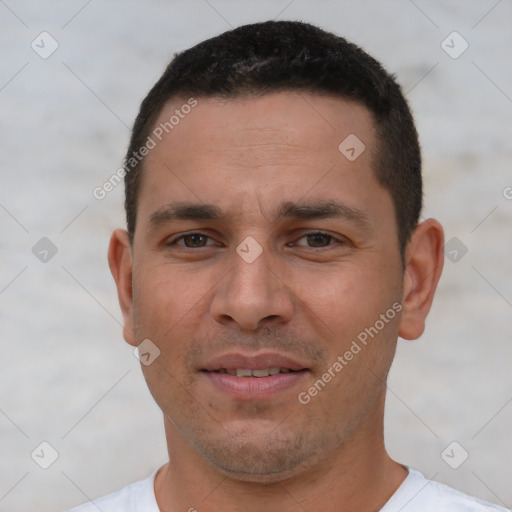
x=272, y=257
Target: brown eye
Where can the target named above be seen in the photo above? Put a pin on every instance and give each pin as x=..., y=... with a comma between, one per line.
x=193, y=240
x=319, y=239
x=316, y=240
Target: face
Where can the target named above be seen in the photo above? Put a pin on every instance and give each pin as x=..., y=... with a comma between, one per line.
x=260, y=246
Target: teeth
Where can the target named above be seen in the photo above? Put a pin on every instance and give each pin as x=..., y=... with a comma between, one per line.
x=247, y=372
x=261, y=373
x=240, y=372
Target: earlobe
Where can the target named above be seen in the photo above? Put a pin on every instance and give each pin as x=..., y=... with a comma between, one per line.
x=424, y=264
x=121, y=266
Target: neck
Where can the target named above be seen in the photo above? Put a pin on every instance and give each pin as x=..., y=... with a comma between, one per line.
x=343, y=476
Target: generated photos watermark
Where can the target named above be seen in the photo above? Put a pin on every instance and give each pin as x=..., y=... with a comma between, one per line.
x=152, y=141
x=355, y=348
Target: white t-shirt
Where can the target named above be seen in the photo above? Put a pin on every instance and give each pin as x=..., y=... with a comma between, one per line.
x=416, y=494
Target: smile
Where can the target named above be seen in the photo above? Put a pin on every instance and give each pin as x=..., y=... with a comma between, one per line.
x=247, y=372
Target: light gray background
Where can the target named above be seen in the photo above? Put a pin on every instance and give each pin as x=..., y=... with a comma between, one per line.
x=68, y=378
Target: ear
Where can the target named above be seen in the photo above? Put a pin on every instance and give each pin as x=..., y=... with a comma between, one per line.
x=424, y=261
x=120, y=262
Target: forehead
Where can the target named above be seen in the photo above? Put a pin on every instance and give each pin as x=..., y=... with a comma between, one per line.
x=280, y=146
x=309, y=121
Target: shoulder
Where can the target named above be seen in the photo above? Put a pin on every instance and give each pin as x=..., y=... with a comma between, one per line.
x=132, y=498
x=418, y=494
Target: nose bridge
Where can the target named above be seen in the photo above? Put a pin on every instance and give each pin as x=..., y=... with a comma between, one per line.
x=250, y=270
x=250, y=292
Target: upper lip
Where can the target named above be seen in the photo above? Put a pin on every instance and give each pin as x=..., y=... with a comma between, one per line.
x=233, y=361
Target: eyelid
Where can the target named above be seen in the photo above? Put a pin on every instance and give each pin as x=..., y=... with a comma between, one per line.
x=338, y=238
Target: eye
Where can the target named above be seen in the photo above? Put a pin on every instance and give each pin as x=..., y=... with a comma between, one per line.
x=318, y=239
x=191, y=240
x=314, y=240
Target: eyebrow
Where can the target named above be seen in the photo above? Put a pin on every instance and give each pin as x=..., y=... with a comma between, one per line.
x=306, y=210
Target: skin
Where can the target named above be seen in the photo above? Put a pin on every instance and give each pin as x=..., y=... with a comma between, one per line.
x=303, y=296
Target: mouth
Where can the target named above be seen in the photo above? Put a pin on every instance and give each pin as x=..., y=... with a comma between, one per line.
x=254, y=377
x=248, y=372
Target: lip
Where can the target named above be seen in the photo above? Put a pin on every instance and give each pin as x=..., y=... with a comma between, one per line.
x=253, y=388
x=232, y=361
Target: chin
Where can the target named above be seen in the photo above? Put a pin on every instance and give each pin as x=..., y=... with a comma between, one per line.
x=267, y=458
x=257, y=465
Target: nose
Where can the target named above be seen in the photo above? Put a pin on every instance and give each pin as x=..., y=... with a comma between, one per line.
x=252, y=295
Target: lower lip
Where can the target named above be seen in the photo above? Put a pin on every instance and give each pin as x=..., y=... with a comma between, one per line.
x=251, y=388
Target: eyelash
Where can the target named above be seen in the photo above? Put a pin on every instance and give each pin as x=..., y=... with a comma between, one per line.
x=311, y=233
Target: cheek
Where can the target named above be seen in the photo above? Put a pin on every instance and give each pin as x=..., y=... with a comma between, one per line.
x=165, y=310
x=341, y=302
x=344, y=308
x=164, y=302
